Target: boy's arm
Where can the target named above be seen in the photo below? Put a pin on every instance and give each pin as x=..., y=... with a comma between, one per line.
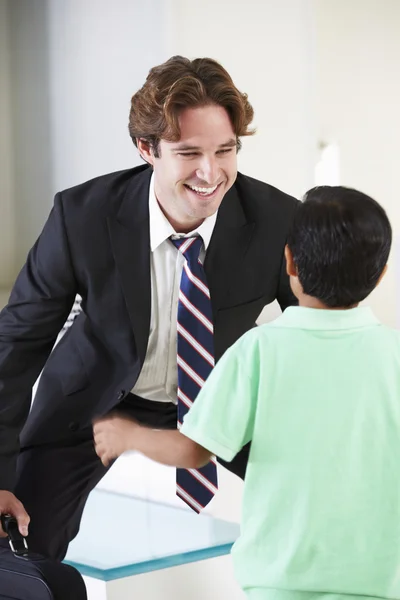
x=219, y=423
x=115, y=435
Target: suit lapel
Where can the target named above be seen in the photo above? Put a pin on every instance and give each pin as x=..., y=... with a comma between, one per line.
x=229, y=242
x=130, y=240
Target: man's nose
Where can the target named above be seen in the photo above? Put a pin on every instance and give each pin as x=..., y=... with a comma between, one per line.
x=208, y=170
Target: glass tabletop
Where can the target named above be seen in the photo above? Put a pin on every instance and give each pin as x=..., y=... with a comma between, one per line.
x=122, y=535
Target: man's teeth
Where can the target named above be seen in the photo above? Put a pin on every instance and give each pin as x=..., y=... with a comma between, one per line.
x=202, y=190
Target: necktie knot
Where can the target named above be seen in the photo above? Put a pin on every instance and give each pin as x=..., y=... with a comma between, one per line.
x=190, y=247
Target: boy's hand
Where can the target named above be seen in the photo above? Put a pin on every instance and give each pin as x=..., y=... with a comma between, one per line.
x=112, y=437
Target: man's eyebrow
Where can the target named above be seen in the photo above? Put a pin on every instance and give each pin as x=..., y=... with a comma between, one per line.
x=229, y=144
x=186, y=147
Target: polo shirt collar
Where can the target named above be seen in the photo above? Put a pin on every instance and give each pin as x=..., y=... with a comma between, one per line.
x=300, y=317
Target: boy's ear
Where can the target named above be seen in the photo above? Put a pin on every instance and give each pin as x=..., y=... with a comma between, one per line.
x=385, y=268
x=291, y=269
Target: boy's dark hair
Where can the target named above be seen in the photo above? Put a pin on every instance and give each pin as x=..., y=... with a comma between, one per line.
x=181, y=83
x=340, y=241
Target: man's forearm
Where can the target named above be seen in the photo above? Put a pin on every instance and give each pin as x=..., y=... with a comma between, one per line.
x=169, y=447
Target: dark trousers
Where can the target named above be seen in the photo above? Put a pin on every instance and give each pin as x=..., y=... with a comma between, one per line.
x=54, y=480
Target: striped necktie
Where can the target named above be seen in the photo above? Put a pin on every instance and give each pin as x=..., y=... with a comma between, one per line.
x=195, y=346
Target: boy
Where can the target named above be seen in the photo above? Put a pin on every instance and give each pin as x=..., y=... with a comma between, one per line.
x=317, y=392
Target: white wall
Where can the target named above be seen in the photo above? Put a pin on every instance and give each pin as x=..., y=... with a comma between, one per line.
x=358, y=99
x=31, y=149
x=100, y=53
x=7, y=250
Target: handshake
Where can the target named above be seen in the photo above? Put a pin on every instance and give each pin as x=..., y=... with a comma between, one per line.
x=114, y=435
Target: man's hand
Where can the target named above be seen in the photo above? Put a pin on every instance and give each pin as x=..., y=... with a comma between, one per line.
x=9, y=504
x=112, y=437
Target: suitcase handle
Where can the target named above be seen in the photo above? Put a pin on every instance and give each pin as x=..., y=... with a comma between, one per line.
x=17, y=541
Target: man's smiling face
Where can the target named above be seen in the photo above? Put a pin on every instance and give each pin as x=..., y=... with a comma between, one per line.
x=192, y=175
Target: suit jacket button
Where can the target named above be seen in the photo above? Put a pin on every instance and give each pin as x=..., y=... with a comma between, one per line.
x=73, y=426
x=121, y=395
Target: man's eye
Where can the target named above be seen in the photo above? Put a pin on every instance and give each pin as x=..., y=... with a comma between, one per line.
x=187, y=153
x=225, y=151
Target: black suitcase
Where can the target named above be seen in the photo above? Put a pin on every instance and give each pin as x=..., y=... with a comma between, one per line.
x=28, y=576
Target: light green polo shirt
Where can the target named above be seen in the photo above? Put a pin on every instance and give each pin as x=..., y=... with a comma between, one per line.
x=317, y=392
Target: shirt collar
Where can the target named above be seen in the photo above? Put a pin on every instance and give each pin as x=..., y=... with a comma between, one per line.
x=300, y=317
x=161, y=229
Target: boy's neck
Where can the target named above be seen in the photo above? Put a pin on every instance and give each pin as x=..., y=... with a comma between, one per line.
x=312, y=302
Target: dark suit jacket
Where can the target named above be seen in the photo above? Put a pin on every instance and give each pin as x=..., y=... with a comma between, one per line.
x=96, y=244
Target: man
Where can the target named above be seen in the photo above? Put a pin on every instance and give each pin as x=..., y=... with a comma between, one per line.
x=117, y=242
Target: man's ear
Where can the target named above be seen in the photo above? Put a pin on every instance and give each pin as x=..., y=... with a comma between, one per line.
x=291, y=269
x=145, y=150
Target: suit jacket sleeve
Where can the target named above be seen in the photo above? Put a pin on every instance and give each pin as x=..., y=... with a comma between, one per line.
x=39, y=305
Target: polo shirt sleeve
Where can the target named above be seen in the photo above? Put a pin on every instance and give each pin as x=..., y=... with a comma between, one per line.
x=222, y=417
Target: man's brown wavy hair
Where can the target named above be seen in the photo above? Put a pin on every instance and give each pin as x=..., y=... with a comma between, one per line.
x=181, y=83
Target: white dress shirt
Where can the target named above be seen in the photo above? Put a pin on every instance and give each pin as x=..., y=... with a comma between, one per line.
x=158, y=379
